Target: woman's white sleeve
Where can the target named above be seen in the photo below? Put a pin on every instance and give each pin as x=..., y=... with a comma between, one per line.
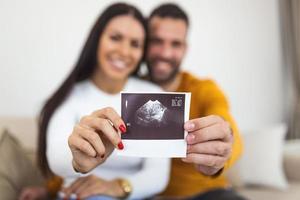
x=151, y=179
x=58, y=153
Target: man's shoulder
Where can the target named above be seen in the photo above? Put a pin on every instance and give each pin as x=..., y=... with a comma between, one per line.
x=192, y=82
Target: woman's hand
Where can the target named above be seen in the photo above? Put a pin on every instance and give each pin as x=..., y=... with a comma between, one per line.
x=94, y=138
x=92, y=185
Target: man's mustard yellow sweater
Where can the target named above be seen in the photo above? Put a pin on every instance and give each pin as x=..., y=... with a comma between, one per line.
x=207, y=99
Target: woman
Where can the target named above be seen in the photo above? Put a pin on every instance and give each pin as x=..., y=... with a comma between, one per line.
x=112, y=53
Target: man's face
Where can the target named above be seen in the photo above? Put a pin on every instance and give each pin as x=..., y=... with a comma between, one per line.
x=166, y=48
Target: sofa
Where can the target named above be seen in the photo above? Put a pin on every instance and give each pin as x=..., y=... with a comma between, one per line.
x=22, y=133
x=18, y=167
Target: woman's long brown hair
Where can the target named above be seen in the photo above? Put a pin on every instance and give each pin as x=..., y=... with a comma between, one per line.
x=83, y=70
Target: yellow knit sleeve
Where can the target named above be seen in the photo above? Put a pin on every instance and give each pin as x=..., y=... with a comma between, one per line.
x=216, y=104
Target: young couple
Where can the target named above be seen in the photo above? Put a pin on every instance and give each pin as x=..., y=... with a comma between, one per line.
x=80, y=125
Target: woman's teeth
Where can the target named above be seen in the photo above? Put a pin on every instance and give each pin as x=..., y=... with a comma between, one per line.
x=119, y=64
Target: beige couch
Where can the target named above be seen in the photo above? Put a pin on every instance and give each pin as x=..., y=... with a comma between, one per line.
x=25, y=130
x=260, y=192
x=18, y=167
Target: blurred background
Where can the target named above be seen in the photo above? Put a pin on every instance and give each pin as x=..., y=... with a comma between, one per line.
x=250, y=47
x=238, y=43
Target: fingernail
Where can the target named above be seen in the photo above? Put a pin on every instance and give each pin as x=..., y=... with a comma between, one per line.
x=122, y=128
x=120, y=146
x=190, y=126
x=102, y=156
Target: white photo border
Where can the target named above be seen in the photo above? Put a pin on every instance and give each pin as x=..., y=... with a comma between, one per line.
x=158, y=148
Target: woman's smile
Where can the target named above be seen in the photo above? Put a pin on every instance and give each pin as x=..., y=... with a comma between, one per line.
x=118, y=64
x=120, y=48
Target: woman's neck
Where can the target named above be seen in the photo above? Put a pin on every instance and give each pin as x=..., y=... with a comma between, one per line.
x=107, y=84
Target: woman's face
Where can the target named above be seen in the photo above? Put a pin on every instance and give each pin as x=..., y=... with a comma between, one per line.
x=120, y=47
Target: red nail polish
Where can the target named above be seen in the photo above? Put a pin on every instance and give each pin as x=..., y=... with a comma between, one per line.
x=120, y=146
x=122, y=128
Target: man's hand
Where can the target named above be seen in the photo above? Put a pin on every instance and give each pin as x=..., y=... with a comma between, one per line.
x=209, y=142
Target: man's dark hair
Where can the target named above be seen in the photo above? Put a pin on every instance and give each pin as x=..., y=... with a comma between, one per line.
x=169, y=10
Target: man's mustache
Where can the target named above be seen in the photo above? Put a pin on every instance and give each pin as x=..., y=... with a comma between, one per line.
x=160, y=59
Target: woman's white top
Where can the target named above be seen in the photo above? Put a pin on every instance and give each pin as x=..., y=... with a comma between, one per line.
x=148, y=176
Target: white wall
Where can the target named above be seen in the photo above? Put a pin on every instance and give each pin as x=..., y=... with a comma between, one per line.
x=235, y=41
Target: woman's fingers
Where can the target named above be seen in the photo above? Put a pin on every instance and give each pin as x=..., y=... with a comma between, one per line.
x=108, y=122
x=110, y=133
x=90, y=181
x=93, y=190
x=81, y=185
x=75, y=185
x=110, y=114
x=101, y=125
x=93, y=138
x=78, y=143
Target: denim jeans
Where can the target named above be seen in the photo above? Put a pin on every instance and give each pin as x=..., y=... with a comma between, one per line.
x=220, y=194
x=100, y=198
x=94, y=198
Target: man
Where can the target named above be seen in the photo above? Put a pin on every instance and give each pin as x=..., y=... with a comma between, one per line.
x=214, y=143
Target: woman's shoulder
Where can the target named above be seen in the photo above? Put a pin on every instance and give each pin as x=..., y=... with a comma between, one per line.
x=81, y=87
x=79, y=91
x=140, y=85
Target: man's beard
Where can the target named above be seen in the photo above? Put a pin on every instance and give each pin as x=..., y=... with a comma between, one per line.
x=171, y=76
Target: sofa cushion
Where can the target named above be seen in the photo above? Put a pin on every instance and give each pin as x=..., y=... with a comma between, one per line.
x=262, y=161
x=292, y=160
x=22, y=128
x=265, y=193
x=16, y=170
x=7, y=191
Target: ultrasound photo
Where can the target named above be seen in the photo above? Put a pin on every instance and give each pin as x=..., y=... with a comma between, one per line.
x=154, y=123
x=153, y=116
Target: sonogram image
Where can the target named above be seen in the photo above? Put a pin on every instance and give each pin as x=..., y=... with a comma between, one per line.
x=153, y=116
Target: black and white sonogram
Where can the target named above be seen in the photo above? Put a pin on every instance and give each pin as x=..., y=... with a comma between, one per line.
x=153, y=116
